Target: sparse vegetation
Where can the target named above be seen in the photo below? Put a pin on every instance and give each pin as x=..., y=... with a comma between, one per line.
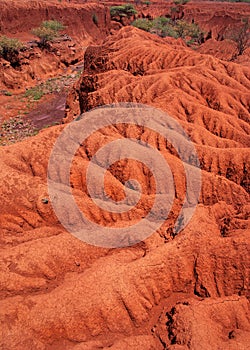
x=178, y=8
x=185, y=29
x=45, y=35
x=143, y=23
x=52, y=85
x=47, y=32
x=121, y=11
x=16, y=129
x=241, y=35
x=163, y=27
x=35, y=93
x=53, y=25
x=9, y=49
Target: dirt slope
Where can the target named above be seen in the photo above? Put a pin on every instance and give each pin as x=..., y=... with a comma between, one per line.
x=36, y=64
x=168, y=292
x=76, y=17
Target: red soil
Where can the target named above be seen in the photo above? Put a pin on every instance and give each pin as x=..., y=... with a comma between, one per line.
x=36, y=64
x=76, y=17
x=190, y=291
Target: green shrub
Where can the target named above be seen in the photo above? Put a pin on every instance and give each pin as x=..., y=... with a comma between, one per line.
x=53, y=25
x=185, y=29
x=35, y=93
x=45, y=35
x=161, y=22
x=169, y=31
x=190, y=42
x=143, y=24
x=9, y=48
x=47, y=31
x=163, y=27
x=240, y=34
x=120, y=11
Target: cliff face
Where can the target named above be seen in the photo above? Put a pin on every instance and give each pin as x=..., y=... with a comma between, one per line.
x=212, y=17
x=78, y=18
x=215, y=17
x=184, y=291
x=35, y=64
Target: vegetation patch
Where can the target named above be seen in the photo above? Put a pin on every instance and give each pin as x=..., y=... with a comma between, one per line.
x=118, y=12
x=164, y=27
x=9, y=49
x=35, y=93
x=47, y=32
x=16, y=129
x=57, y=84
x=240, y=34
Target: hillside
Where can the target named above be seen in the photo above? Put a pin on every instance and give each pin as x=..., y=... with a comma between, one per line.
x=186, y=285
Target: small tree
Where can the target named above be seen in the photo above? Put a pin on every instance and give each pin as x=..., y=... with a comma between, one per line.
x=163, y=27
x=240, y=35
x=177, y=10
x=126, y=10
x=9, y=49
x=47, y=31
x=185, y=29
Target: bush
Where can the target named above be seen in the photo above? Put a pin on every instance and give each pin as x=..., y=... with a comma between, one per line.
x=143, y=24
x=53, y=25
x=47, y=31
x=9, y=49
x=126, y=10
x=185, y=29
x=45, y=35
x=241, y=35
x=163, y=27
